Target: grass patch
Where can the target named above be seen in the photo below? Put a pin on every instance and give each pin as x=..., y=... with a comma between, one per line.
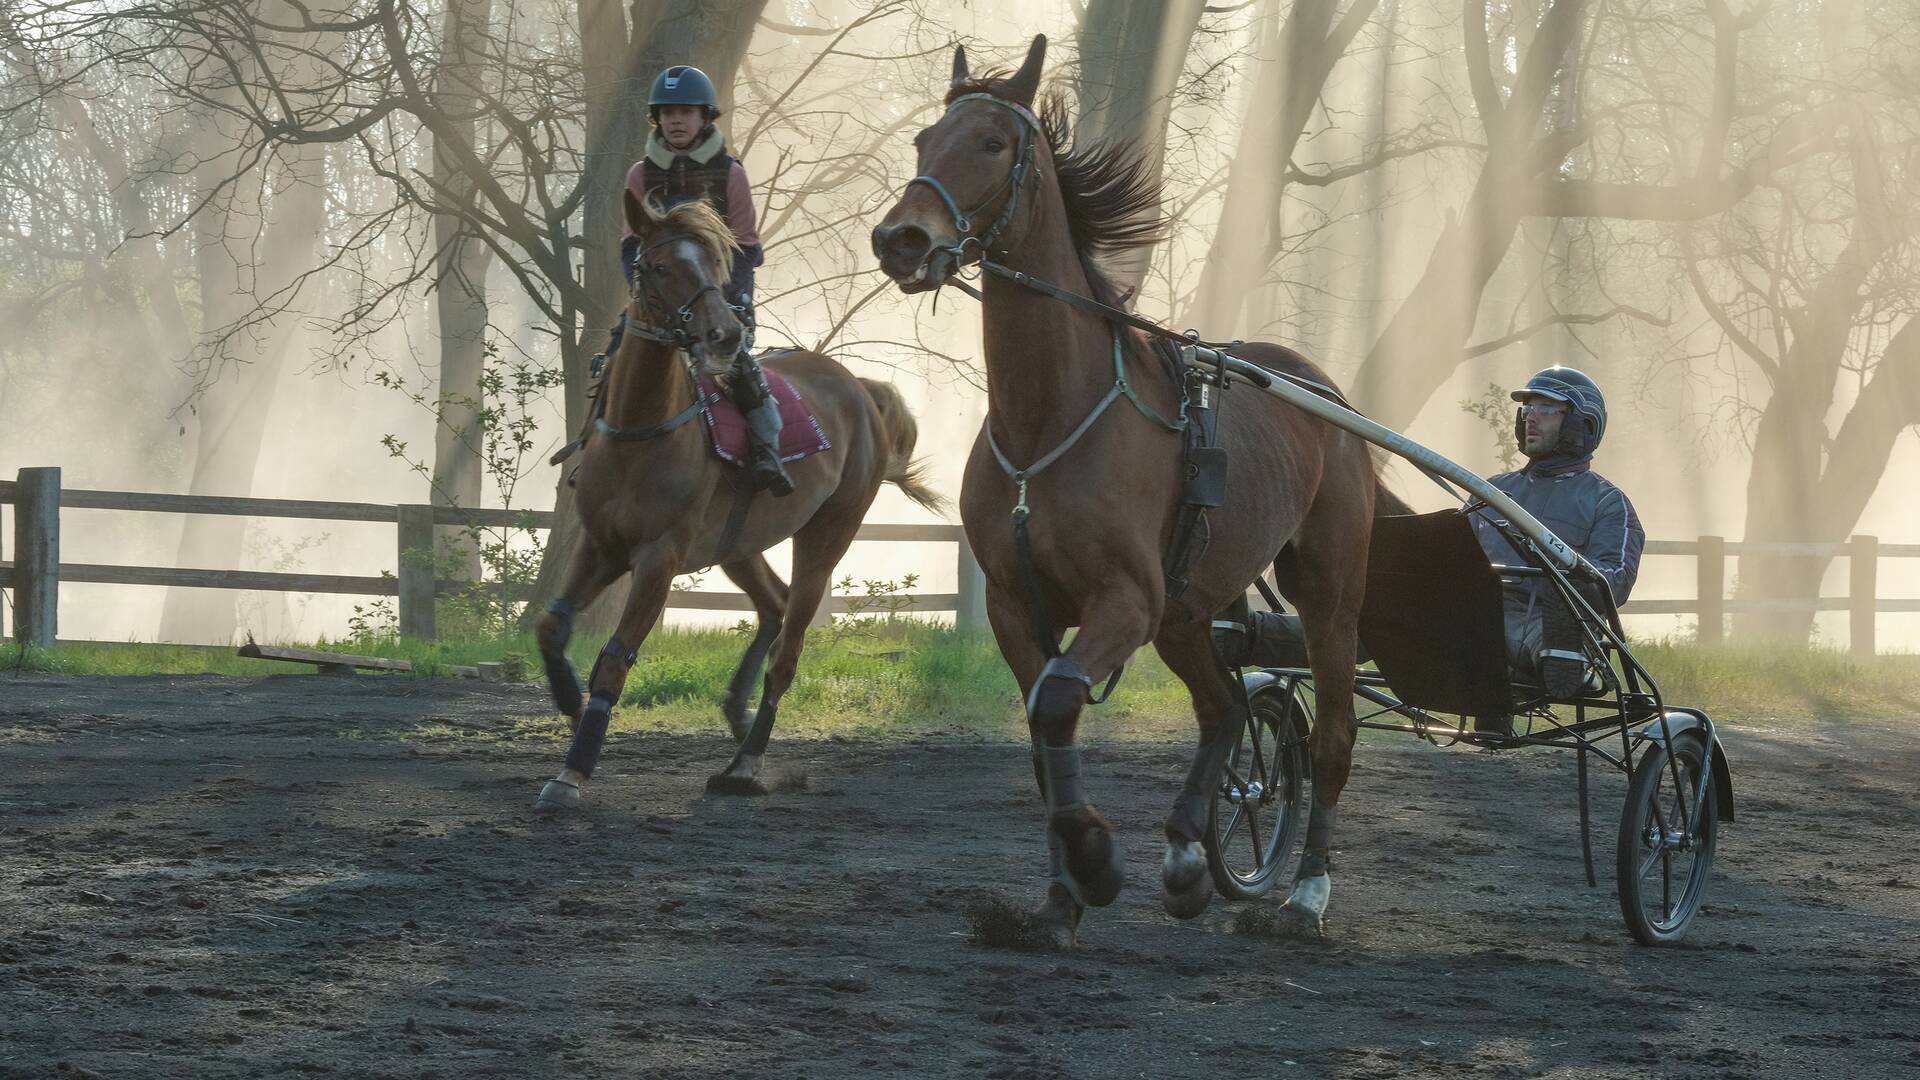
x=911, y=677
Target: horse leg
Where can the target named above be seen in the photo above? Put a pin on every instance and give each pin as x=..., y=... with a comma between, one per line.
x=769, y=595
x=588, y=575
x=1081, y=841
x=1329, y=616
x=646, y=599
x=1220, y=708
x=813, y=563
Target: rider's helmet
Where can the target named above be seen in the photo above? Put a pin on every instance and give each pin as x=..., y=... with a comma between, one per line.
x=1586, y=407
x=682, y=84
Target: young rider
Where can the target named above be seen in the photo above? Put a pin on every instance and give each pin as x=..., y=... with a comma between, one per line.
x=686, y=158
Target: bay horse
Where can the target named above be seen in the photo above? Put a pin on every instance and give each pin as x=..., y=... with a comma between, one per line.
x=1096, y=490
x=653, y=498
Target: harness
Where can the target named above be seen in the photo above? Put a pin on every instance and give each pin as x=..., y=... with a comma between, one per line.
x=1204, y=464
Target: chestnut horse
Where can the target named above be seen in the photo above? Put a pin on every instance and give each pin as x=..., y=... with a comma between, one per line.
x=1097, y=489
x=653, y=498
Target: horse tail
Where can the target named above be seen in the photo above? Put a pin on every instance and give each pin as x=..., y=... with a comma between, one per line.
x=902, y=432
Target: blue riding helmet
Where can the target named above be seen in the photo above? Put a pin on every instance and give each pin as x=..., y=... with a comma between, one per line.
x=683, y=85
x=1583, y=399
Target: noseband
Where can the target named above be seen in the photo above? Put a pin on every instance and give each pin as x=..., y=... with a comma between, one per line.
x=1012, y=186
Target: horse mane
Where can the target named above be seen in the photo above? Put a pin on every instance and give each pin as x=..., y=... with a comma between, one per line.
x=1111, y=195
x=700, y=221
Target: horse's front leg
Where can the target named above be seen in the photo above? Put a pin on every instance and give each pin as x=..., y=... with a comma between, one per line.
x=589, y=572
x=646, y=599
x=1083, y=849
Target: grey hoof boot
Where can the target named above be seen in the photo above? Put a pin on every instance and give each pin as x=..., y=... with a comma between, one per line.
x=558, y=795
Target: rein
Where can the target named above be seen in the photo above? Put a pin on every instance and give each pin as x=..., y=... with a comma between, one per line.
x=675, y=335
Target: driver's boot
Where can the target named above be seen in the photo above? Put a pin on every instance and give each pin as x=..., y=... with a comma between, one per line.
x=755, y=399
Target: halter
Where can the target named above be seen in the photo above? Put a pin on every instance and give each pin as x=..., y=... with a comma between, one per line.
x=1014, y=183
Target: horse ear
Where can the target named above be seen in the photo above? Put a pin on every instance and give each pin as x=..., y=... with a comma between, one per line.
x=959, y=64
x=1026, y=82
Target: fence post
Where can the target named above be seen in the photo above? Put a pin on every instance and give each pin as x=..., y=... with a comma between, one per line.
x=414, y=568
x=36, y=557
x=1710, y=571
x=1863, y=567
x=970, y=610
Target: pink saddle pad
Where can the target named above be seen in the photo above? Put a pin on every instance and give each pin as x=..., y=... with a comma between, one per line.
x=800, y=432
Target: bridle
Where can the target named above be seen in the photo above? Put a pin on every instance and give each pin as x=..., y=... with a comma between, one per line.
x=648, y=298
x=1011, y=186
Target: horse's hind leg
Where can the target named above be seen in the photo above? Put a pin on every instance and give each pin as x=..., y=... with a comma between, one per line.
x=1329, y=613
x=646, y=599
x=769, y=596
x=1219, y=706
x=588, y=575
x=817, y=549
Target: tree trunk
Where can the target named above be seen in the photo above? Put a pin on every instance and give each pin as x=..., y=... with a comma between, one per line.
x=1286, y=88
x=460, y=289
x=244, y=369
x=1131, y=56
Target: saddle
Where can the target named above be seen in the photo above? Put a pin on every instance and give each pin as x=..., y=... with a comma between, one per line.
x=801, y=435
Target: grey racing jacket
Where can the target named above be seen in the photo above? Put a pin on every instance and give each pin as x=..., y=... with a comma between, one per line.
x=1581, y=508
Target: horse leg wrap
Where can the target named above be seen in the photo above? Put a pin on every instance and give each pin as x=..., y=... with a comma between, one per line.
x=1061, y=766
x=1061, y=669
x=590, y=735
x=560, y=674
x=1320, y=823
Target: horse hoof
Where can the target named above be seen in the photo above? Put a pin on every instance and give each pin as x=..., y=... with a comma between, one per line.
x=1185, y=885
x=729, y=784
x=1058, y=917
x=1093, y=857
x=1306, y=909
x=558, y=795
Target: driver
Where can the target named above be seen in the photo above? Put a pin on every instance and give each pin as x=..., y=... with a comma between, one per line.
x=1560, y=421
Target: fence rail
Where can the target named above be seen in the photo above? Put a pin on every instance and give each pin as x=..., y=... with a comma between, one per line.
x=36, y=571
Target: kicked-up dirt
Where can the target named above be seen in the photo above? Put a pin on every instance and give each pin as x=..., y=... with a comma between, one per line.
x=300, y=875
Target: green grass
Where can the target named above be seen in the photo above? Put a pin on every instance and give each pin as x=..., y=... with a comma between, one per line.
x=910, y=677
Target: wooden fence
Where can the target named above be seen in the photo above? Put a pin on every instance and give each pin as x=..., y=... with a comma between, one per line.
x=36, y=571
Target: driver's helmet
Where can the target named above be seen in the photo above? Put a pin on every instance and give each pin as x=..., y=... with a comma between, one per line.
x=1585, y=404
x=682, y=84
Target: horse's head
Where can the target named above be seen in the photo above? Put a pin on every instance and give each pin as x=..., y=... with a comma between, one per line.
x=975, y=164
x=679, y=278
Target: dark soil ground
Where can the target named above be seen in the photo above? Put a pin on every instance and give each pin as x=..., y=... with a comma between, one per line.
x=217, y=877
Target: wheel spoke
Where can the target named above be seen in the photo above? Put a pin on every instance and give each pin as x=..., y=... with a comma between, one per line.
x=1253, y=830
x=1666, y=883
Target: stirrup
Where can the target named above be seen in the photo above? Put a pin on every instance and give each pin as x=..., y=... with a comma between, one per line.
x=769, y=474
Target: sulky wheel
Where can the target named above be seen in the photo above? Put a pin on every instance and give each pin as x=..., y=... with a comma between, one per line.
x=1261, y=804
x=1667, y=835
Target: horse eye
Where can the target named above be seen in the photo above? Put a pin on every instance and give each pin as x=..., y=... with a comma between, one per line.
x=994, y=146
x=659, y=268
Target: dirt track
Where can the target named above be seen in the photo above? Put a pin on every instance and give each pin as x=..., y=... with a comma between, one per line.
x=217, y=877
